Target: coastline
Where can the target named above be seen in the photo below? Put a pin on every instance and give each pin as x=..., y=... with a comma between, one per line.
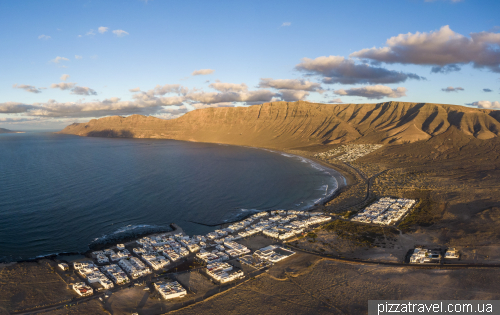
x=125, y=240
x=337, y=174
x=339, y=177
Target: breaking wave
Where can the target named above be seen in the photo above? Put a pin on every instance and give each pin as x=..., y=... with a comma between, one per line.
x=129, y=231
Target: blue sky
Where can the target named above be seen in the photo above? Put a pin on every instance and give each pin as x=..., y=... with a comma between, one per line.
x=251, y=52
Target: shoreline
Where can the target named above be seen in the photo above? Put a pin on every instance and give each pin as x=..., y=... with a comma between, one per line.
x=126, y=240
x=342, y=182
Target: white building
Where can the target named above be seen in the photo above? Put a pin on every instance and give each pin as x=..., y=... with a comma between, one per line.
x=223, y=272
x=63, y=266
x=273, y=253
x=155, y=262
x=423, y=255
x=82, y=289
x=115, y=273
x=170, y=290
x=134, y=267
x=452, y=253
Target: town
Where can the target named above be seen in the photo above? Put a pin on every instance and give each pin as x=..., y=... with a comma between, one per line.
x=219, y=255
x=385, y=211
x=349, y=152
x=217, y=251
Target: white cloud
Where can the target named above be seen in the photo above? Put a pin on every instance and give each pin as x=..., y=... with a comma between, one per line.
x=62, y=86
x=452, y=89
x=293, y=95
x=18, y=119
x=102, y=29
x=59, y=59
x=111, y=106
x=203, y=72
x=78, y=57
x=14, y=108
x=222, y=104
x=83, y=90
x=336, y=101
x=137, y=89
x=289, y=84
x=486, y=104
x=246, y=96
x=171, y=112
x=167, y=88
x=373, y=92
x=27, y=88
x=228, y=87
x=64, y=77
x=286, y=24
x=337, y=69
x=44, y=37
x=78, y=90
x=90, y=33
x=439, y=48
x=120, y=33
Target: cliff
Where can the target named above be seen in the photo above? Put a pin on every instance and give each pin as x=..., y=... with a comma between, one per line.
x=296, y=124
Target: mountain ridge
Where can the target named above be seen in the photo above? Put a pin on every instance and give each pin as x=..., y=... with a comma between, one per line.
x=296, y=124
x=3, y=130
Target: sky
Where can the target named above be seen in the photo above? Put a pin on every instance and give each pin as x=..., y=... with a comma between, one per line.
x=72, y=61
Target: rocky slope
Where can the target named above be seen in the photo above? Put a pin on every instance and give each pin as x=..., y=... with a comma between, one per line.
x=297, y=124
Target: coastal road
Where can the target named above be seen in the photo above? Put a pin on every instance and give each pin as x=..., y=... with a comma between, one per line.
x=368, y=182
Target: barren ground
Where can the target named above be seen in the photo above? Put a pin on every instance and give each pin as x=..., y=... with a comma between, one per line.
x=324, y=286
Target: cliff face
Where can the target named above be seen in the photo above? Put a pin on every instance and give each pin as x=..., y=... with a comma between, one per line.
x=288, y=125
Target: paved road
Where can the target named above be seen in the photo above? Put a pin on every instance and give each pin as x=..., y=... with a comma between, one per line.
x=368, y=182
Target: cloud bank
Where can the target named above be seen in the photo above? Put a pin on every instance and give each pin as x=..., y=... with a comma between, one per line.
x=228, y=87
x=373, y=92
x=441, y=48
x=337, y=69
x=289, y=84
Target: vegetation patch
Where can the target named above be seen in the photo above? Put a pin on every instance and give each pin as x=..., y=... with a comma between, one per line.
x=426, y=212
x=363, y=234
x=312, y=236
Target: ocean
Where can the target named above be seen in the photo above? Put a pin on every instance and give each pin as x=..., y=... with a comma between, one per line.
x=64, y=193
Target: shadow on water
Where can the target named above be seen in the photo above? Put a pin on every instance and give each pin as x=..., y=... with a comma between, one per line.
x=108, y=133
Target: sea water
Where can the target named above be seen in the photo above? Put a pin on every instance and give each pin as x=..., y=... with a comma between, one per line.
x=63, y=193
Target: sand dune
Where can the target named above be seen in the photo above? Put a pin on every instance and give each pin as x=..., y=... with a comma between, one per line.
x=296, y=124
